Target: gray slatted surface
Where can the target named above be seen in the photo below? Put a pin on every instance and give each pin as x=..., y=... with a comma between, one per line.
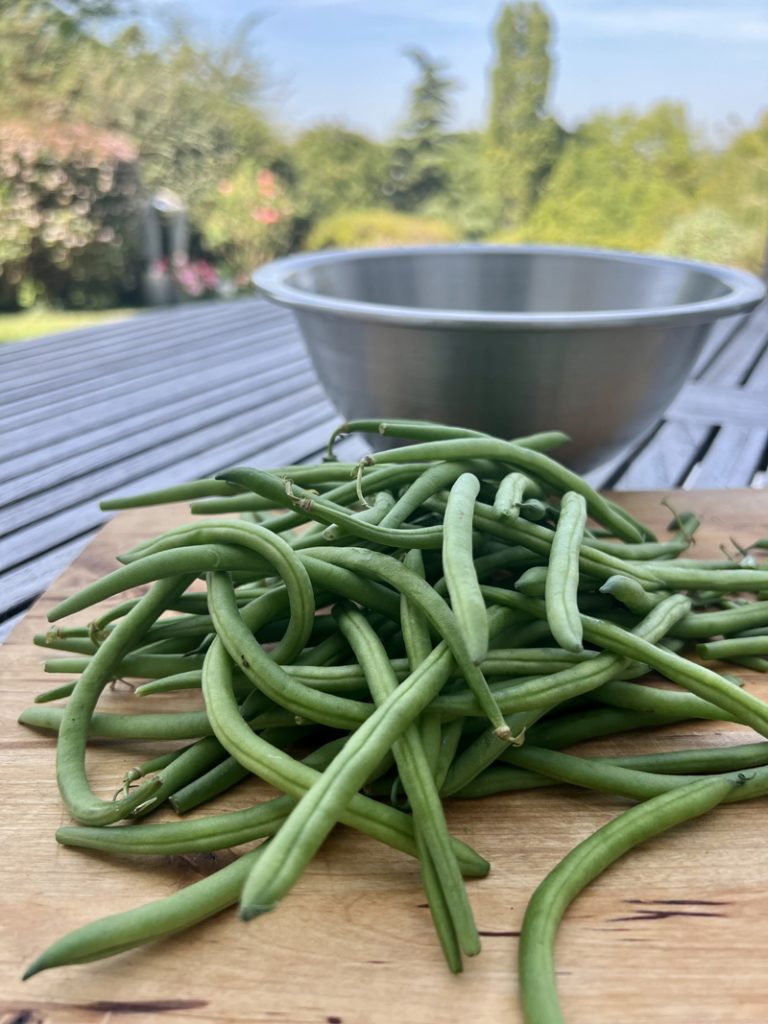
x=715, y=434
x=172, y=395
x=157, y=399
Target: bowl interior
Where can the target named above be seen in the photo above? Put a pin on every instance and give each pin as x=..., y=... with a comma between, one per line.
x=507, y=282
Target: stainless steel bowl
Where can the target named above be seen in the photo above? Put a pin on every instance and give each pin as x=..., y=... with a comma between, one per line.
x=507, y=339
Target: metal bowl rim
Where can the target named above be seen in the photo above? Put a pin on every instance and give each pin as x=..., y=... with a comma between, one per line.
x=745, y=291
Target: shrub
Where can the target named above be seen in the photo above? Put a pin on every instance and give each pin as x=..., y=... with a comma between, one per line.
x=249, y=220
x=69, y=204
x=365, y=229
x=715, y=236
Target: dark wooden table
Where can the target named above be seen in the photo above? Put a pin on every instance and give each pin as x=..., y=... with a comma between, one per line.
x=173, y=395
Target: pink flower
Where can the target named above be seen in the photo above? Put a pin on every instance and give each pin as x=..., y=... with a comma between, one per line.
x=265, y=182
x=266, y=215
x=225, y=187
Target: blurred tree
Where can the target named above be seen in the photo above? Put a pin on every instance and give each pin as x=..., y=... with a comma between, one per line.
x=619, y=183
x=524, y=141
x=192, y=109
x=419, y=165
x=467, y=200
x=335, y=169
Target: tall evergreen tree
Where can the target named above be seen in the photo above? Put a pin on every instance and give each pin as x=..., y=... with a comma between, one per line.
x=419, y=162
x=524, y=139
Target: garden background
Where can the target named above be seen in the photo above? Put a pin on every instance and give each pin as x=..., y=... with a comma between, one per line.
x=104, y=116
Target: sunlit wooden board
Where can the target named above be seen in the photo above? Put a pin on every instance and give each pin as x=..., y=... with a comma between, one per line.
x=675, y=933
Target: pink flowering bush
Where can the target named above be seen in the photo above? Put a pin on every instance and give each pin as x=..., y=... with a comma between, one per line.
x=69, y=197
x=249, y=221
x=196, y=279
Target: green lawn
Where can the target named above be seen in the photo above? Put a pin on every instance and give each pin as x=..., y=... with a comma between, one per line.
x=35, y=323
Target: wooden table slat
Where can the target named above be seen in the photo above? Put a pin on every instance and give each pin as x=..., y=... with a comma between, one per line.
x=674, y=448
x=182, y=420
x=734, y=457
x=222, y=438
x=129, y=374
x=136, y=331
x=734, y=360
x=298, y=433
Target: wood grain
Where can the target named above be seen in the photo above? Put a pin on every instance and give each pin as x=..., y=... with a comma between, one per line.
x=673, y=934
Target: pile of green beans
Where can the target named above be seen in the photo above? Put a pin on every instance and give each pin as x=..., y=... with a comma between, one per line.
x=442, y=619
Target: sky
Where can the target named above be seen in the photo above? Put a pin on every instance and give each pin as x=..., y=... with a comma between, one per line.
x=343, y=60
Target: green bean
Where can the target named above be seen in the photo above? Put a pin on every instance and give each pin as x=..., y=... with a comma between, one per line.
x=677, y=574
x=344, y=492
x=568, y=730
x=174, y=725
x=511, y=492
x=385, y=567
x=701, y=681
x=706, y=624
x=170, y=684
x=275, y=551
x=563, y=574
x=280, y=770
x=736, y=647
x=544, y=690
x=214, y=832
x=433, y=480
x=696, y=761
x=132, y=666
x=344, y=583
x=421, y=430
x=519, y=458
x=662, y=702
x=167, y=495
x=501, y=778
x=533, y=581
x=458, y=566
x=631, y=593
x=382, y=503
x=57, y=693
x=314, y=815
x=413, y=622
x=595, y=774
x=588, y=860
x=219, y=778
x=157, y=920
x=269, y=677
x=743, y=706
x=645, y=551
x=195, y=560
x=483, y=751
x=428, y=817
x=538, y=539
x=438, y=907
x=450, y=736
x=332, y=514
x=75, y=791
x=73, y=645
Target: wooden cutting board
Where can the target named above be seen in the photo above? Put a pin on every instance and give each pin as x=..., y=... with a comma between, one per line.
x=675, y=933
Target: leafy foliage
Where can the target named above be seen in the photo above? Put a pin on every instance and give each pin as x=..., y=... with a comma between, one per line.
x=68, y=209
x=524, y=140
x=370, y=228
x=619, y=183
x=336, y=169
x=419, y=167
x=249, y=221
